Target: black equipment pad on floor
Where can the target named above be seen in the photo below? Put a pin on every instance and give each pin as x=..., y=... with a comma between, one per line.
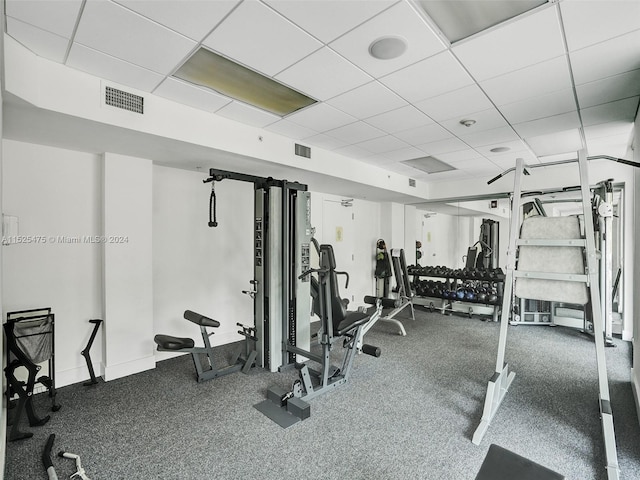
x=278, y=414
x=501, y=464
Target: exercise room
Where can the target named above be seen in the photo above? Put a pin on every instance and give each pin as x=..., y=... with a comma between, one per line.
x=322, y=239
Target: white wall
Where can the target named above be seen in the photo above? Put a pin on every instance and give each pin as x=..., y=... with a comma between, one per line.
x=410, y=234
x=446, y=238
x=127, y=266
x=634, y=294
x=56, y=195
x=196, y=267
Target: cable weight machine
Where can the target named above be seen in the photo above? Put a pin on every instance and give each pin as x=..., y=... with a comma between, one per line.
x=282, y=238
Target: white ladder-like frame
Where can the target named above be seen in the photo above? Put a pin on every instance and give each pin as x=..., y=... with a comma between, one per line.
x=501, y=380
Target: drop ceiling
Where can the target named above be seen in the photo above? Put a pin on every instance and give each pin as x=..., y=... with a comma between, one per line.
x=561, y=77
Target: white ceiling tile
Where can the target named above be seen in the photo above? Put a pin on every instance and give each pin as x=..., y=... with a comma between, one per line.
x=192, y=18
x=609, y=89
x=608, y=130
x=616, y=146
x=353, y=151
x=618, y=55
x=485, y=120
x=40, y=42
x=403, y=118
x=111, y=68
x=138, y=40
x=402, y=169
x=586, y=23
x=321, y=117
x=328, y=19
x=188, y=94
x=620, y=110
x=477, y=166
x=556, y=142
x=260, y=38
x=388, y=143
x=459, y=156
x=439, y=74
x=408, y=153
x=525, y=83
x=325, y=141
x=547, y=125
x=527, y=40
x=367, y=100
x=57, y=17
x=291, y=130
x=452, y=144
x=244, y=113
x=424, y=134
x=493, y=137
x=508, y=159
x=401, y=20
x=323, y=74
x=561, y=101
x=355, y=132
x=455, y=104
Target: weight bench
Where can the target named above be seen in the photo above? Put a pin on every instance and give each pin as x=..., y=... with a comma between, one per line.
x=169, y=343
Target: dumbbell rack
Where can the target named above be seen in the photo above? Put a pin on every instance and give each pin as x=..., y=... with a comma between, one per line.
x=455, y=280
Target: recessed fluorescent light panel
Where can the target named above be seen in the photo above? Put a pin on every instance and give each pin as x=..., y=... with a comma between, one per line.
x=429, y=165
x=218, y=73
x=462, y=18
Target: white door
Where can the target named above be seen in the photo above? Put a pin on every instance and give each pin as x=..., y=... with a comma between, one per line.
x=338, y=231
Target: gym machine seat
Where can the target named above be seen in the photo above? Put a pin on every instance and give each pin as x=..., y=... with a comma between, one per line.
x=169, y=343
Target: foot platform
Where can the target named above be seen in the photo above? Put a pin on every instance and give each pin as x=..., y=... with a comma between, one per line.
x=283, y=408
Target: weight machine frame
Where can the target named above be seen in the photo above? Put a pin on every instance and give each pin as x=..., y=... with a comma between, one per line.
x=282, y=236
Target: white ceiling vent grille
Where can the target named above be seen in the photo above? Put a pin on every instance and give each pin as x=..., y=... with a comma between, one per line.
x=125, y=100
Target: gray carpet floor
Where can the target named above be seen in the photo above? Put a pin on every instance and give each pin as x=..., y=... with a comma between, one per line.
x=409, y=414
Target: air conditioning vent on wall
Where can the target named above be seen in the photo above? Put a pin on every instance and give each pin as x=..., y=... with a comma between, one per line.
x=412, y=182
x=303, y=151
x=125, y=100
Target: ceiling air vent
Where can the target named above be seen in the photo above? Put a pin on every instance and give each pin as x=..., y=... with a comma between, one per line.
x=412, y=182
x=125, y=100
x=303, y=151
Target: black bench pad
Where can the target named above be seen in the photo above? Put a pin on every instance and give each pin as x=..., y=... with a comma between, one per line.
x=502, y=464
x=201, y=320
x=168, y=342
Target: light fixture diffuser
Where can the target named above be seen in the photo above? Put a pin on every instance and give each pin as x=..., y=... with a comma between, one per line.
x=210, y=70
x=462, y=18
x=428, y=165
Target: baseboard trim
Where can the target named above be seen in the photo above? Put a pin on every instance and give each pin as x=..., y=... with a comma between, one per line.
x=3, y=437
x=635, y=387
x=77, y=375
x=112, y=372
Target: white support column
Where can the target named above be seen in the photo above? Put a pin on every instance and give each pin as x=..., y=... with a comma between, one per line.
x=392, y=225
x=127, y=266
